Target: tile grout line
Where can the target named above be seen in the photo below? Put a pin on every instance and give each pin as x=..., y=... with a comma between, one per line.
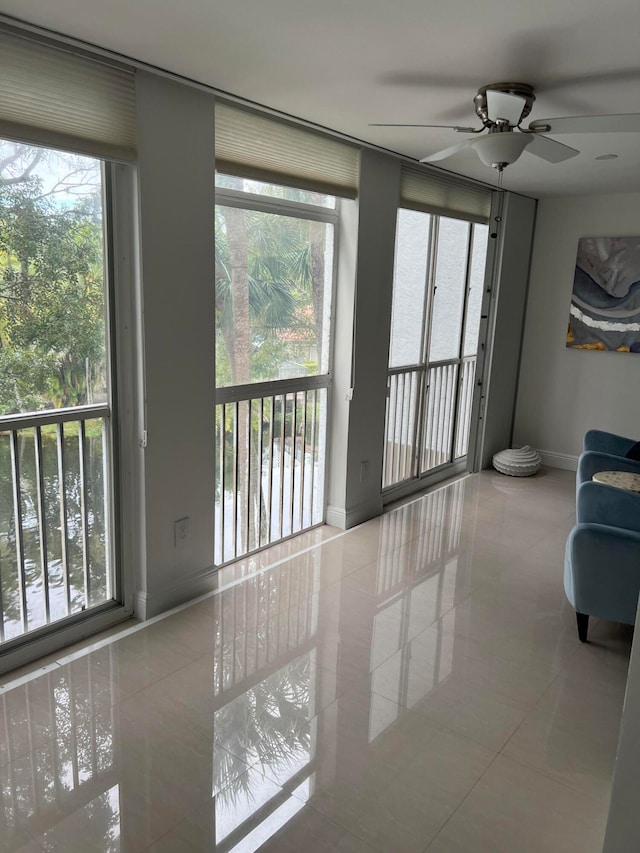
x=462, y=802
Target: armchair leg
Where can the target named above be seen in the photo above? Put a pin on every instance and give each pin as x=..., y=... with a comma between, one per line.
x=583, y=626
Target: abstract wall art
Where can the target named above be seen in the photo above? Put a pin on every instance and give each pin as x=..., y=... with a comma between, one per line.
x=605, y=302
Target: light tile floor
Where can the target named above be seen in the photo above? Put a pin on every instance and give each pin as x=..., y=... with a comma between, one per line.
x=414, y=684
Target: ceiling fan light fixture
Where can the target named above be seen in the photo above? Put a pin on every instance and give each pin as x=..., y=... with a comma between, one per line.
x=501, y=149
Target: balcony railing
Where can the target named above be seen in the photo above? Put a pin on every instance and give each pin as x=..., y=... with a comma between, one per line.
x=269, y=464
x=54, y=546
x=428, y=418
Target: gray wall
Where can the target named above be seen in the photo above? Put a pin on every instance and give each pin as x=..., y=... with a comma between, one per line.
x=564, y=392
x=176, y=191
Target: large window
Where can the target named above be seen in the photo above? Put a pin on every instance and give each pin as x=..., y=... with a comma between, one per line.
x=54, y=389
x=274, y=277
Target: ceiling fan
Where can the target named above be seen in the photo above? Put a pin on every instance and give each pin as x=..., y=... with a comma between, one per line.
x=502, y=107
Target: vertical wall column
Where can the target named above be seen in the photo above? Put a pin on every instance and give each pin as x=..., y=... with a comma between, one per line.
x=361, y=354
x=508, y=277
x=176, y=206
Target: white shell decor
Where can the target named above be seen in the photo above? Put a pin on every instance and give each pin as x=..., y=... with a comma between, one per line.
x=517, y=462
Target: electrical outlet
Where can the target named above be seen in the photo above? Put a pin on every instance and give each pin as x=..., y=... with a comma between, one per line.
x=181, y=533
x=364, y=470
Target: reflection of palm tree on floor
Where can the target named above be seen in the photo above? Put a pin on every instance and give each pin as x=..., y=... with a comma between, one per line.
x=268, y=726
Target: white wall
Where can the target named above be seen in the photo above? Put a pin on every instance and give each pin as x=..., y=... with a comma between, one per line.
x=176, y=190
x=564, y=392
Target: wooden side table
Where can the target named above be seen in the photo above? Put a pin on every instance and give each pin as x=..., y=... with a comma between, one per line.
x=620, y=479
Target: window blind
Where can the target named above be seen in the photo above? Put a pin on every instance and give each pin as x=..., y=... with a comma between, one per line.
x=53, y=97
x=253, y=145
x=446, y=195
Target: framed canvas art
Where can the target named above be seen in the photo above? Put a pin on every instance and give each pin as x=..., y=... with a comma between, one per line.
x=605, y=302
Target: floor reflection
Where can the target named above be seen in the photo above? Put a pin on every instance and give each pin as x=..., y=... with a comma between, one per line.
x=57, y=758
x=344, y=701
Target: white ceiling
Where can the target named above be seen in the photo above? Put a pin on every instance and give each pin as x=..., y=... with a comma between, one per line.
x=345, y=63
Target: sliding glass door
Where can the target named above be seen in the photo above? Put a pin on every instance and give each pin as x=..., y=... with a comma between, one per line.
x=56, y=548
x=437, y=296
x=274, y=282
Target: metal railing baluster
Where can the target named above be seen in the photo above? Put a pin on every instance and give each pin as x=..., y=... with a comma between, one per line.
x=260, y=453
x=283, y=434
x=42, y=521
x=394, y=466
x=249, y=408
x=301, y=504
x=292, y=473
x=64, y=536
x=84, y=510
x=234, y=517
x=272, y=418
x=314, y=416
x=222, y=511
x=19, y=530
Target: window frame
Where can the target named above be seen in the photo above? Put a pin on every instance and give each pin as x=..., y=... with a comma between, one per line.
x=118, y=216
x=226, y=197
x=235, y=394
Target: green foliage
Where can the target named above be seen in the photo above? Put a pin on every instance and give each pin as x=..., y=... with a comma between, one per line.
x=51, y=282
x=279, y=282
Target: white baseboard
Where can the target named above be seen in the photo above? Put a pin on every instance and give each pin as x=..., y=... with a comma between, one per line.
x=559, y=460
x=344, y=519
x=148, y=605
x=337, y=517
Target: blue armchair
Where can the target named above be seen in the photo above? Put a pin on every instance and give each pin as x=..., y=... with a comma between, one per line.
x=604, y=451
x=607, y=442
x=602, y=558
x=592, y=461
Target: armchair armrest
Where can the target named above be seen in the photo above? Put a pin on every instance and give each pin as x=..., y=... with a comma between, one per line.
x=607, y=442
x=602, y=571
x=607, y=505
x=591, y=461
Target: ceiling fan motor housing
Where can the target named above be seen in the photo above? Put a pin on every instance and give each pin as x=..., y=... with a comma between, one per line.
x=520, y=90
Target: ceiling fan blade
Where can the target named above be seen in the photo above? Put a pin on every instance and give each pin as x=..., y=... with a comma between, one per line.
x=447, y=126
x=550, y=149
x=447, y=152
x=625, y=123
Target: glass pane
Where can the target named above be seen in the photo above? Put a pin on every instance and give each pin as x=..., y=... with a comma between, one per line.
x=448, y=300
x=52, y=331
x=409, y=286
x=249, y=185
x=476, y=285
x=63, y=562
x=273, y=291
